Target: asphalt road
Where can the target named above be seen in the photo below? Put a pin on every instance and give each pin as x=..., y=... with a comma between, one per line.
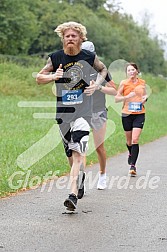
x=130, y=215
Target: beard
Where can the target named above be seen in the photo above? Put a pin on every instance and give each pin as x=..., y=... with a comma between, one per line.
x=72, y=49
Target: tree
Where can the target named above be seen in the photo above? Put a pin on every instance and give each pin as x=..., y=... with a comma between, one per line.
x=18, y=27
x=27, y=27
x=93, y=5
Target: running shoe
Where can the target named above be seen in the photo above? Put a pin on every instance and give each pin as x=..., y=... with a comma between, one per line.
x=132, y=170
x=81, y=190
x=71, y=202
x=101, y=185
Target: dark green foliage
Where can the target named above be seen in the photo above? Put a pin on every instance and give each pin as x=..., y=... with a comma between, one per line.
x=18, y=26
x=27, y=27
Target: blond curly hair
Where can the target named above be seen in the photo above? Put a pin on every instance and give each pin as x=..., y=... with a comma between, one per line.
x=71, y=25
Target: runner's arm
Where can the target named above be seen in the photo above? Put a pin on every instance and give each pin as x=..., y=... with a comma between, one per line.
x=101, y=69
x=46, y=76
x=120, y=97
x=109, y=88
x=145, y=96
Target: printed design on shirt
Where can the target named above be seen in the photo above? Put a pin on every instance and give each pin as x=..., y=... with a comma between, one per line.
x=73, y=76
x=73, y=84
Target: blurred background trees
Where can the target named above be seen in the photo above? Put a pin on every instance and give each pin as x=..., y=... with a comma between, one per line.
x=27, y=28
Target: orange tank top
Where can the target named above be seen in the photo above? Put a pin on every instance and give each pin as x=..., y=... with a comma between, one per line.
x=134, y=104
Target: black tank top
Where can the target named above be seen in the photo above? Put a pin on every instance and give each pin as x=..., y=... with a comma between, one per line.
x=72, y=103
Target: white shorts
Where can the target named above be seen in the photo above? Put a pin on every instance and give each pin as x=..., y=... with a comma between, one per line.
x=75, y=136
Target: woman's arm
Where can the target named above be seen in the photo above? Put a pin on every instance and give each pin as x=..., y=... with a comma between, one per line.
x=119, y=97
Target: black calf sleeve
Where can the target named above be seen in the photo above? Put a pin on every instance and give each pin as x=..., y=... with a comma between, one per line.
x=129, y=148
x=134, y=153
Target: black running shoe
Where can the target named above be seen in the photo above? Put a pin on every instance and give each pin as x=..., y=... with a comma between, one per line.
x=132, y=170
x=81, y=190
x=71, y=202
x=129, y=159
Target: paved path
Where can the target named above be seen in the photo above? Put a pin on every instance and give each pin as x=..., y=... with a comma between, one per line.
x=130, y=215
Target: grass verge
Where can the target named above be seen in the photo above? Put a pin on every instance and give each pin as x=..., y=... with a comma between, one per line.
x=31, y=149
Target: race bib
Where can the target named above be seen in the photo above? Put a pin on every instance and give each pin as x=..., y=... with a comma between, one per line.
x=135, y=106
x=72, y=97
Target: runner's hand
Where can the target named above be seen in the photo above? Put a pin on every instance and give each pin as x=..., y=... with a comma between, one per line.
x=91, y=89
x=130, y=95
x=58, y=74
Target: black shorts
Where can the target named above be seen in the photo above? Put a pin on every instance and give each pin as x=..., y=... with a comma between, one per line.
x=133, y=121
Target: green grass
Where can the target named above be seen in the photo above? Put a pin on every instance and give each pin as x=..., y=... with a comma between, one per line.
x=21, y=132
